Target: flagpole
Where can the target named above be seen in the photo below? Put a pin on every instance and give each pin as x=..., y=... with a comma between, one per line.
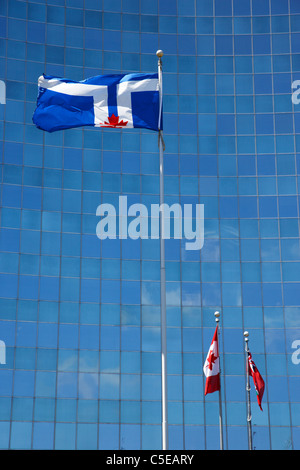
x=217, y=315
x=164, y=387
x=248, y=388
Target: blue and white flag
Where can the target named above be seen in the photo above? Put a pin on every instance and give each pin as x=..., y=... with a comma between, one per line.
x=116, y=101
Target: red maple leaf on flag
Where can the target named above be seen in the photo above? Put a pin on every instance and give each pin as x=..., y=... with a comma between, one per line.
x=211, y=360
x=114, y=121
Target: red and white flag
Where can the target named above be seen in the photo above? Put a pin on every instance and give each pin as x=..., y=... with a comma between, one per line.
x=211, y=366
x=259, y=383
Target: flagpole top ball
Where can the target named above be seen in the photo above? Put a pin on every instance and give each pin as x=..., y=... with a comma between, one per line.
x=159, y=53
x=217, y=314
x=246, y=334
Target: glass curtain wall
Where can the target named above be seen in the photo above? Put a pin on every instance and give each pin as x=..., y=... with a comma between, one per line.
x=80, y=317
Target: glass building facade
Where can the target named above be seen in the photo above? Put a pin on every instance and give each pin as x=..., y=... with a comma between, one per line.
x=80, y=317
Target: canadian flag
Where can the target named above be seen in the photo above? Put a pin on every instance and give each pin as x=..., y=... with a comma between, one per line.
x=211, y=366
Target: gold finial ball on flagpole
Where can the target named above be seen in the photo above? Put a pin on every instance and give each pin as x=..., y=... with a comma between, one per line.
x=246, y=335
x=159, y=53
x=217, y=315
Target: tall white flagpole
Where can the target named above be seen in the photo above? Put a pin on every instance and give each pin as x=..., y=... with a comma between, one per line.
x=248, y=388
x=164, y=387
x=217, y=315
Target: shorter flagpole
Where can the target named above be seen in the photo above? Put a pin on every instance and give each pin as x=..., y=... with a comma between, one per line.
x=217, y=318
x=248, y=388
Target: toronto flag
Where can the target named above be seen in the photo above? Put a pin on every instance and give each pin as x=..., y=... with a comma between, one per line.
x=114, y=101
